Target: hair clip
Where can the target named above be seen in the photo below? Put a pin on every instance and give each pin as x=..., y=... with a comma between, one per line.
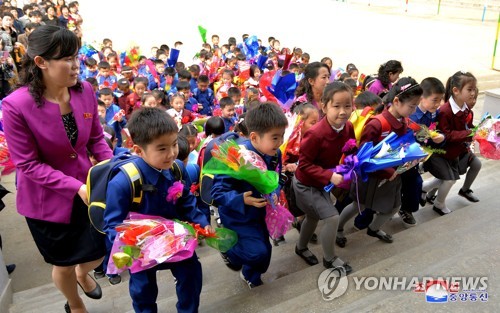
x=463, y=72
x=241, y=120
x=406, y=88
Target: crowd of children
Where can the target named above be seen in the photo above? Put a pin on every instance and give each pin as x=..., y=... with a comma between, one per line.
x=210, y=104
x=162, y=110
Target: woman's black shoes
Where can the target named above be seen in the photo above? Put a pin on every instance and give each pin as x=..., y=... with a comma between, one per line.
x=96, y=293
x=67, y=309
x=311, y=259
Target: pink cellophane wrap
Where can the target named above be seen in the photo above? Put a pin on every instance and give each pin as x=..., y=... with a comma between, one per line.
x=278, y=219
x=166, y=242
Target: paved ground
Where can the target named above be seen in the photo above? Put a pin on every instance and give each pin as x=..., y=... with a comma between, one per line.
x=427, y=46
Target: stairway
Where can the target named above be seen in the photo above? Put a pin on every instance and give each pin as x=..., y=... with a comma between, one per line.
x=463, y=243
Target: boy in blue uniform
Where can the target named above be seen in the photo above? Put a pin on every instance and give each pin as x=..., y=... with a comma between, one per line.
x=112, y=110
x=154, y=134
x=241, y=206
x=204, y=95
x=425, y=114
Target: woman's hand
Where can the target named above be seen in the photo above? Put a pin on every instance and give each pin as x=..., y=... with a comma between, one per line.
x=82, y=192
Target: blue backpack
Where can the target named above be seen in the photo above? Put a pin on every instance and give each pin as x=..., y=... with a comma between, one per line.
x=100, y=175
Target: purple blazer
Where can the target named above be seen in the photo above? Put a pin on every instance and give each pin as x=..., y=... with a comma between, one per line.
x=49, y=170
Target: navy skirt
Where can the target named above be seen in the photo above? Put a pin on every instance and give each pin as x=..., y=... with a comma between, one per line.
x=68, y=244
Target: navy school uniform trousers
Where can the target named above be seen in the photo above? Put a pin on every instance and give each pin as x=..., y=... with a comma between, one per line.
x=142, y=286
x=411, y=180
x=253, y=249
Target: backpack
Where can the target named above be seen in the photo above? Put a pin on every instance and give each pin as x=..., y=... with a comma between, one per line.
x=99, y=177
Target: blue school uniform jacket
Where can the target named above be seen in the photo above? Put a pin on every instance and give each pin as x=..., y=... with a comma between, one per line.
x=426, y=118
x=206, y=98
x=228, y=195
x=117, y=126
x=229, y=123
x=119, y=198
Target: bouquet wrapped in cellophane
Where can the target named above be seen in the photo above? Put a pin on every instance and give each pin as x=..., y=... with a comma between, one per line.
x=487, y=135
x=143, y=241
x=240, y=163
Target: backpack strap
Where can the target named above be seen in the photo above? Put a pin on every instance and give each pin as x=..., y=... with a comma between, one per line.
x=386, y=127
x=177, y=171
x=133, y=174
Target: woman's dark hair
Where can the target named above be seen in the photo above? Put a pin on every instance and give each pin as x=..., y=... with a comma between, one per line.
x=390, y=67
x=405, y=89
x=214, y=125
x=183, y=145
x=331, y=89
x=310, y=72
x=459, y=80
x=50, y=43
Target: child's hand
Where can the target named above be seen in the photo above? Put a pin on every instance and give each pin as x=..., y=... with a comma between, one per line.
x=393, y=176
x=200, y=106
x=292, y=167
x=438, y=139
x=336, y=179
x=256, y=202
x=209, y=229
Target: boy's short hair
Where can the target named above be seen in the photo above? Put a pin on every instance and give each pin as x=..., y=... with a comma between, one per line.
x=225, y=101
x=195, y=68
x=31, y=25
x=92, y=81
x=103, y=65
x=179, y=66
x=265, y=117
x=252, y=104
x=147, y=124
x=233, y=92
x=169, y=71
x=90, y=62
x=159, y=62
x=184, y=74
x=105, y=92
x=203, y=79
x=100, y=103
x=126, y=68
x=141, y=80
x=293, y=66
x=432, y=85
x=182, y=85
x=366, y=99
x=123, y=82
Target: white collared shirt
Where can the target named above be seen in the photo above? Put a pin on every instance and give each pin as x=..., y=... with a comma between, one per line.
x=455, y=108
x=338, y=130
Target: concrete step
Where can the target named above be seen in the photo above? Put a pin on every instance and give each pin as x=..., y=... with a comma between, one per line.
x=435, y=248
x=288, y=276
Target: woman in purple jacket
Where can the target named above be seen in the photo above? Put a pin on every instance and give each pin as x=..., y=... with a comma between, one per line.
x=50, y=122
